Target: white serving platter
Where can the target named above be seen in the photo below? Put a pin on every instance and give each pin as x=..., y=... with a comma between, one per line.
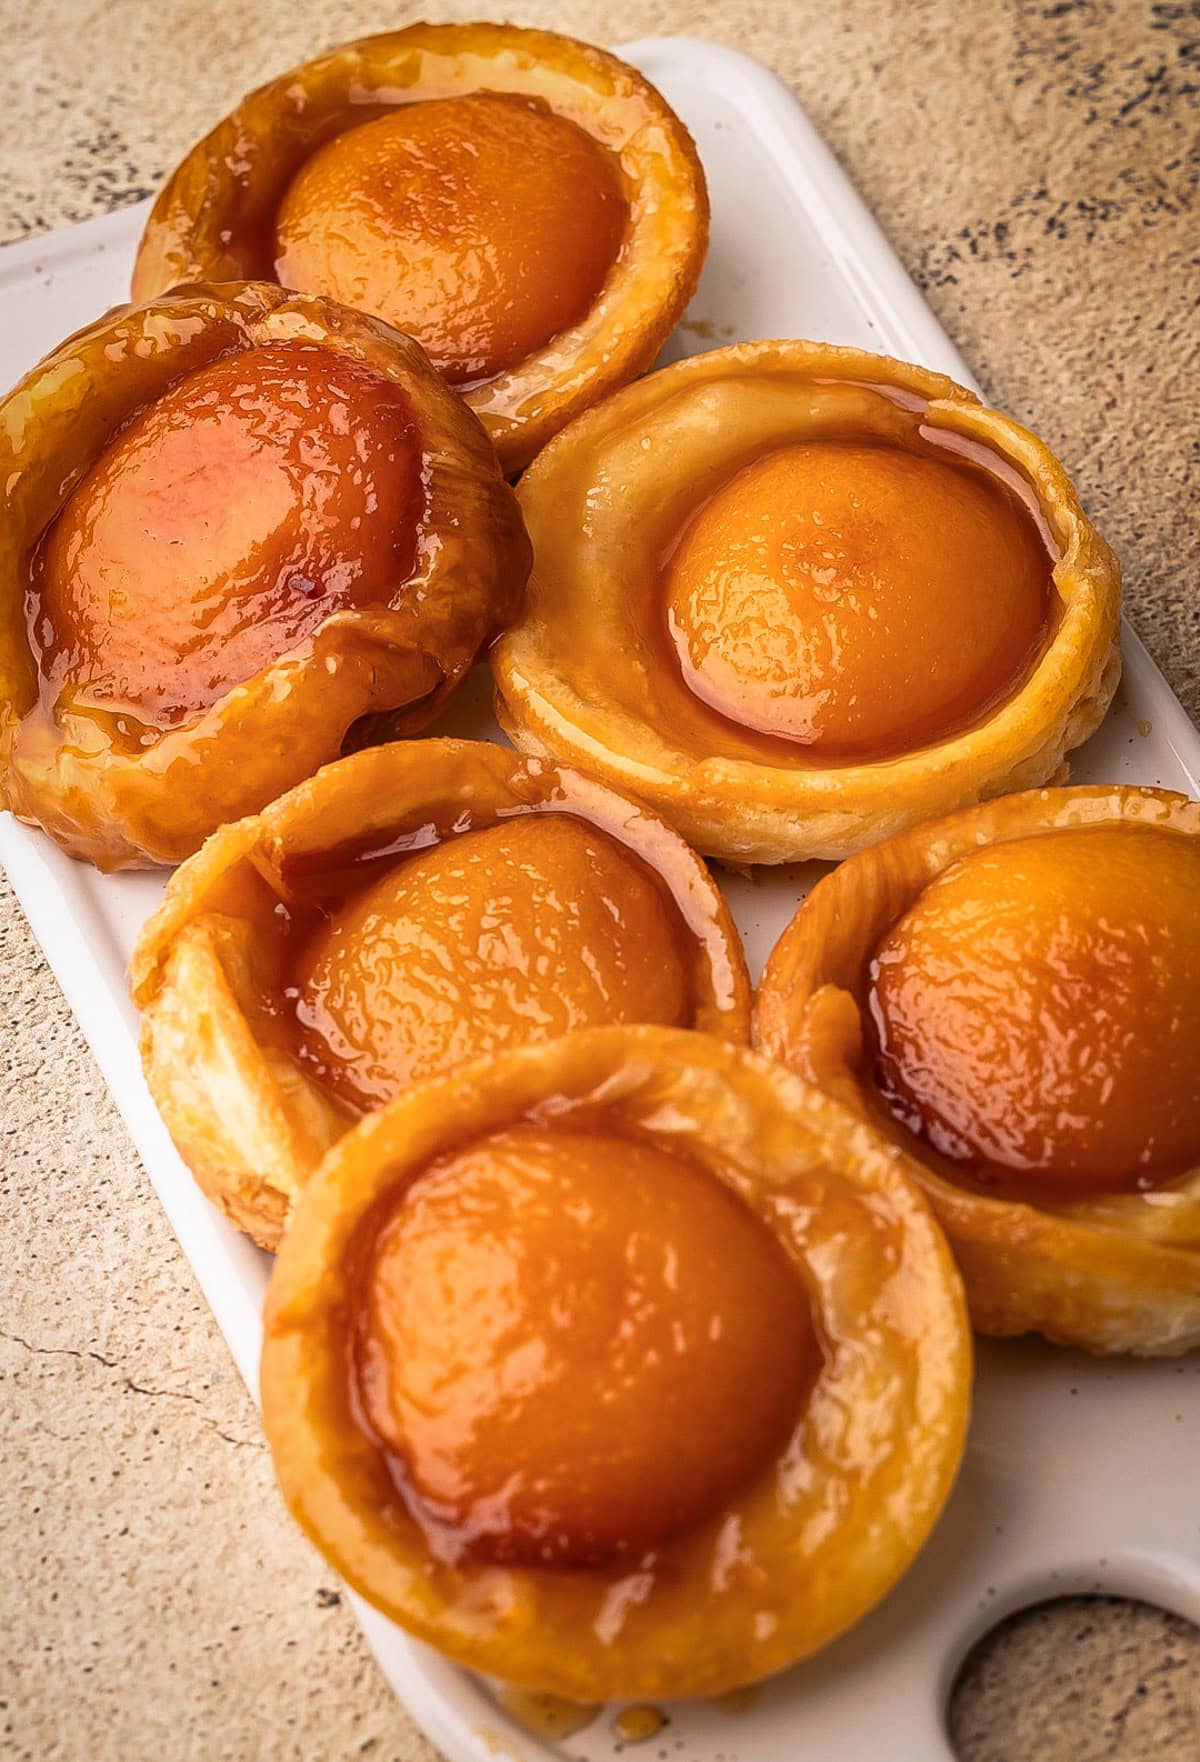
x=1079, y=1476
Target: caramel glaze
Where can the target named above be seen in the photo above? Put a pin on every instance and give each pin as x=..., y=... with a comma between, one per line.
x=637, y=1725
x=458, y=936
x=1034, y=1017
x=757, y=591
x=546, y=1716
x=225, y=521
x=573, y=1346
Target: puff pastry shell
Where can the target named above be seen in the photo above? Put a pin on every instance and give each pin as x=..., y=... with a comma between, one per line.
x=120, y=802
x=580, y=674
x=809, y=1545
x=245, y=1112
x=214, y=216
x=1114, y=1272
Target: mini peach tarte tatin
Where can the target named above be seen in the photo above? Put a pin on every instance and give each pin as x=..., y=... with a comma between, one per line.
x=1012, y=995
x=409, y=908
x=527, y=207
x=799, y=597
x=628, y=1364
x=237, y=521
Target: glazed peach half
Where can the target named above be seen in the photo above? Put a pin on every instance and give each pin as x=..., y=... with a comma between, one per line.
x=1012, y=995
x=527, y=207
x=627, y=1364
x=799, y=597
x=409, y=908
x=238, y=522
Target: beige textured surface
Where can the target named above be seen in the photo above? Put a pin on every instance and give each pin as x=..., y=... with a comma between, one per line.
x=1101, y=1681
x=1036, y=166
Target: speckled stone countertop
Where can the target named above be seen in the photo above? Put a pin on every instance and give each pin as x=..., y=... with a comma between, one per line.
x=1036, y=165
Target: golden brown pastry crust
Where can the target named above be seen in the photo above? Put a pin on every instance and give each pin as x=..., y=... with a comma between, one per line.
x=214, y=215
x=576, y=680
x=125, y=806
x=874, y=1455
x=247, y=1118
x=1117, y=1272
x=121, y=805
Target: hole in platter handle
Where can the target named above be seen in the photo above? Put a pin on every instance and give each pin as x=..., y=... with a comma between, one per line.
x=1170, y=1584
x=1094, y=1674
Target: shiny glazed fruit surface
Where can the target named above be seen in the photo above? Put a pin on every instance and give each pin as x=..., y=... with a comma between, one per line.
x=518, y=931
x=577, y=1345
x=481, y=225
x=857, y=599
x=225, y=522
x=1037, y=1009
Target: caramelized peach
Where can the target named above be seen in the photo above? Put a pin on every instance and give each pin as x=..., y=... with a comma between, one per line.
x=624, y=1364
x=858, y=600
x=1010, y=996
x=527, y=206
x=407, y=910
x=1038, y=1007
x=240, y=522
x=227, y=521
x=482, y=226
x=577, y=1346
x=800, y=597
x=519, y=931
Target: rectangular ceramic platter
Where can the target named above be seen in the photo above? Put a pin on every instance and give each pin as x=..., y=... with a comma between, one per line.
x=1079, y=1476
